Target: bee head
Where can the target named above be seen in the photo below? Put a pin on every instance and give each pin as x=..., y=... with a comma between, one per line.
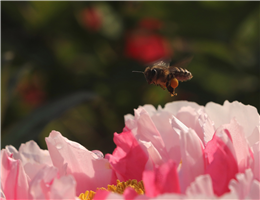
x=150, y=74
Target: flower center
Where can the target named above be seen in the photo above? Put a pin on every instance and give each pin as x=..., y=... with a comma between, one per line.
x=118, y=188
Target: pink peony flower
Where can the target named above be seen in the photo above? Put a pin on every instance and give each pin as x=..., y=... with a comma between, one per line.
x=63, y=171
x=203, y=150
x=181, y=151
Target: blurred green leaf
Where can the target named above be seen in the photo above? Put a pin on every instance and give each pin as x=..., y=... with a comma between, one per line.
x=31, y=126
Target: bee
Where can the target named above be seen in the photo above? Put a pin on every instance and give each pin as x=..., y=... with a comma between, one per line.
x=162, y=74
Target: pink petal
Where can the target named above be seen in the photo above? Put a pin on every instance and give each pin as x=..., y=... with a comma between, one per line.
x=130, y=193
x=40, y=185
x=102, y=195
x=33, y=158
x=207, y=126
x=201, y=186
x=147, y=131
x=128, y=159
x=190, y=117
x=2, y=195
x=242, y=149
x=254, y=190
x=242, y=185
x=170, y=137
x=63, y=188
x=222, y=166
x=89, y=170
x=14, y=181
x=254, y=137
x=152, y=126
x=30, y=151
x=256, y=149
x=166, y=196
x=163, y=179
x=175, y=106
x=246, y=115
x=47, y=185
x=198, y=120
x=191, y=153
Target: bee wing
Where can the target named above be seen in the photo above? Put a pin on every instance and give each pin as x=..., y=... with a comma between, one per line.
x=181, y=64
x=162, y=63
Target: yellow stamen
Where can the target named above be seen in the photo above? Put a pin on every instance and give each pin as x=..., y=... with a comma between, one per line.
x=88, y=195
x=118, y=188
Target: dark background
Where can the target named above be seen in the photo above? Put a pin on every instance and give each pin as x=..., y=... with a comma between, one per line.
x=67, y=66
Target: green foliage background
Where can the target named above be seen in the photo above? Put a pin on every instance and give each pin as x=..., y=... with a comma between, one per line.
x=88, y=81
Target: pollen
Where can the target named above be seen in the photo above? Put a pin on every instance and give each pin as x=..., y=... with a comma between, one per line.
x=119, y=188
x=174, y=83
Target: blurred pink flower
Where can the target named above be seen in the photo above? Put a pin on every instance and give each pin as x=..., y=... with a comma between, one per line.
x=181, y=151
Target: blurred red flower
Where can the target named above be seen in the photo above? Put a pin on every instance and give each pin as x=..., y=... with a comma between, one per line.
x=91, y=18
x=147, y=47
x=150, y=24
x=31, y=91
x=33, y=96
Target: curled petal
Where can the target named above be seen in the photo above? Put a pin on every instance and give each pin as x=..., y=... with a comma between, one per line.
x=147, y=131
x=162, y=179
x=128, y=159
x=171, y=138
x=246, y=115
x=201, y=186
x=256, y=149
x=242, y=150
x=40, y=185
x=192, y=164
x=103, y=194
x=130, y=193
x=33, y=158
x=222, y=165
x=89, y=170
x=254, y=137
x=47, y=185
x=14, y=181
x=190, y=117
x=63, y=188
x=244, y=186
x=175, y=106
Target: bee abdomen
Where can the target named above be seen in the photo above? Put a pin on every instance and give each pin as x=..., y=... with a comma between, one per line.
x=182, y=74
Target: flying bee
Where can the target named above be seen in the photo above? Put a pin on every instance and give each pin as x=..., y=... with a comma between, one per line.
x=162, y=74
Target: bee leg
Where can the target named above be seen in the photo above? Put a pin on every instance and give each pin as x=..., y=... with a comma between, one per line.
x=170, y=89
x=161, y=86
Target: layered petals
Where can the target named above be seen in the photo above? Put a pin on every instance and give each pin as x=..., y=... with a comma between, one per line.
x=222, y=165
x=243, y=153
x=256, y=150
x=32, y=157
x=192, y=164
x=128, y=159
x=246, y=115
x=245, y=186
x=48, y=185
x=201, y=186
x=163, y=179
x=181, y=151
x=89, y=169
x=14, y=181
